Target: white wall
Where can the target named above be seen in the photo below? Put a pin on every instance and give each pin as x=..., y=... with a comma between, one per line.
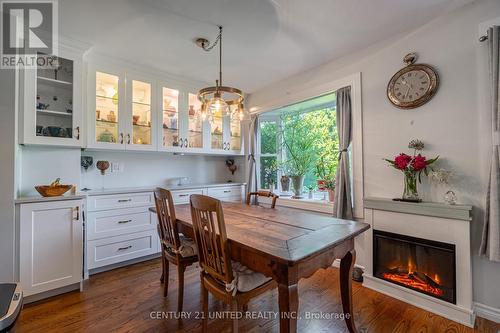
x=41, y=165
x=7, y=173
x=454, y=124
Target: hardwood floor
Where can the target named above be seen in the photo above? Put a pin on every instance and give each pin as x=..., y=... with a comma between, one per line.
x=125, y=299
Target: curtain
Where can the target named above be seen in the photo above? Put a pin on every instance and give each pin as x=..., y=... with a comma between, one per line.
x=252, y=167
x=342, y=203
x=490, y=242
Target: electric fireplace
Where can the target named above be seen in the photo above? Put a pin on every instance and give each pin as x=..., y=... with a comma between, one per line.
x=419, y=264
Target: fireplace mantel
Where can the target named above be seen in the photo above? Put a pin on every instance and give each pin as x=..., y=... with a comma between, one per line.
x=436, y=209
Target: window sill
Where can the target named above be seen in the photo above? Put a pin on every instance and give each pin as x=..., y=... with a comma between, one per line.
x=315, y=205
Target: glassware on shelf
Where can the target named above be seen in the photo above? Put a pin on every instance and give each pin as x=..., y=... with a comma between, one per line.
x=195, y=125
x=170, y=117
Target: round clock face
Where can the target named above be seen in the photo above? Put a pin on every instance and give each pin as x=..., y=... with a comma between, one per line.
x=412, y=86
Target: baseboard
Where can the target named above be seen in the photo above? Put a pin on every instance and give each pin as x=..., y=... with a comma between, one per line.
x=121, y=264
x=52, y=293
x=487, y=312
x=336, y=264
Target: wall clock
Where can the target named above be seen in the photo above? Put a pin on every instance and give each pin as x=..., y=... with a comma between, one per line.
x=413, y=85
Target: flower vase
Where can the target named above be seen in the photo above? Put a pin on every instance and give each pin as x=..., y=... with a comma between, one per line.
x=331, y=194
x=410, y=187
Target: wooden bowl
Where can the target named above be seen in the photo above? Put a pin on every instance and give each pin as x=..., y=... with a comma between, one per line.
x=52, y=191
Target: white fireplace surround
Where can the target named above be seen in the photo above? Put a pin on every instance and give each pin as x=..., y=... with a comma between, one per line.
x=433, y=221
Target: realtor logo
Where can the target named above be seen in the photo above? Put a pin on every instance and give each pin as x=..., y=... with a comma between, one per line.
x=29, y=32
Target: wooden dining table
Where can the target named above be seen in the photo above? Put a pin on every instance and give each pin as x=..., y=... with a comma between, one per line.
x=287, y=245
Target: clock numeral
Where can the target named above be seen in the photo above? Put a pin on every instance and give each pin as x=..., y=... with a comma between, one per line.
x=423, y=82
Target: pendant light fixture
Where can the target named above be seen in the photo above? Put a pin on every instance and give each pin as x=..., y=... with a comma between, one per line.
x=219, y=100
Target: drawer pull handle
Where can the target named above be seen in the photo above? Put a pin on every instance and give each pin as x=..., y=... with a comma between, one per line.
x=124, y=248
x=124, y=221
x=124, y=200
x=183, y=195
x=227, y=191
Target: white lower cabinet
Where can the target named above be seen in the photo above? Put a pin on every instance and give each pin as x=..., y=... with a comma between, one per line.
x=120, y=227
x=51, y=245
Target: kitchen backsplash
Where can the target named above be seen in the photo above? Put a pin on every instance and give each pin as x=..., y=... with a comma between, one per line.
x=131, y=169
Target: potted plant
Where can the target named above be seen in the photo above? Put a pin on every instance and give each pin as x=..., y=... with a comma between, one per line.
x=324, y=170
x=298, y=146
x=285, y=178
x=412, y=168
x=330, y=187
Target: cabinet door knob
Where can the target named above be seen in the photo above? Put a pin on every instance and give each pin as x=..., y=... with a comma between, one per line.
x=186, y=143
x=128, y=138
x=77, y=131
x=181, y=142
x=229, y=146
x=223, y=146
x=121, y=138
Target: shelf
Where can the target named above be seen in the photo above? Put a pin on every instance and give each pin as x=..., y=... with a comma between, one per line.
x=170, y=129
x=108, y=98
x=54, y=82
x=191, y=131
x=170, y=111
x=54, y=113
x=217, y=134
x=141, y=103
x=138, y=125
x=106, y=121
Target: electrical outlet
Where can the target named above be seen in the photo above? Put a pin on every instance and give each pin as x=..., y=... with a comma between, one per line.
x=115, y=167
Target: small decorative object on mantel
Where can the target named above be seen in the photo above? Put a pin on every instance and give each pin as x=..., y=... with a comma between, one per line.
x=103, y=166
x=55, y=189
x=443, y=176
x=413, y=85
x=231, y=166
x=412, y=168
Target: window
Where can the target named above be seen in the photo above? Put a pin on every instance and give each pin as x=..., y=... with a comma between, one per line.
x=299, y=139
x=268, y=153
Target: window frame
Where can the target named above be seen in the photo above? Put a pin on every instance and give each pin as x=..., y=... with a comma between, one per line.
x=278, y=155
x=285, y=97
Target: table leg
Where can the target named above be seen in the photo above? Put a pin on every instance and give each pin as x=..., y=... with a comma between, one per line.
x=346, y=265
x=288, y=305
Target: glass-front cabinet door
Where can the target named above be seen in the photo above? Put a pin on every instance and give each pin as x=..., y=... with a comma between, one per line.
x=141, y=119
x=235, y=135
x=52, y=103
x=170, y=118
x=195, y=123
x=108, y=99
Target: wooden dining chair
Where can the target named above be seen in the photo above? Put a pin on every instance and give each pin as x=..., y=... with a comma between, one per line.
x=263, y=193
x=227, y=280
x=175, y=248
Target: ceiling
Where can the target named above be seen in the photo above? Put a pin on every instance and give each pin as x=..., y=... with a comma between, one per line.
x=264, y=40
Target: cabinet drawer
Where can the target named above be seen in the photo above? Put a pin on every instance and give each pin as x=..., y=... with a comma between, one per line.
x=230, y=193
x=107, y=251
x=182, y=197
x=116, y=222
x=103, y=202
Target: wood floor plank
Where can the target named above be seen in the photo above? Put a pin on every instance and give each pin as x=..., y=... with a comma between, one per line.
x=123, y=299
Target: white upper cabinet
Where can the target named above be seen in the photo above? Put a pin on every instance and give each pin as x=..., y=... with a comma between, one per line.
x=131, y=111
x=51, y=109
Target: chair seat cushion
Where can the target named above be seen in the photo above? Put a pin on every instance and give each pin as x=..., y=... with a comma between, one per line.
x=246, y=279
x=188, y=247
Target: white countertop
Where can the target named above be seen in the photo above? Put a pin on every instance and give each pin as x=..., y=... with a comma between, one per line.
x=120, y=190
